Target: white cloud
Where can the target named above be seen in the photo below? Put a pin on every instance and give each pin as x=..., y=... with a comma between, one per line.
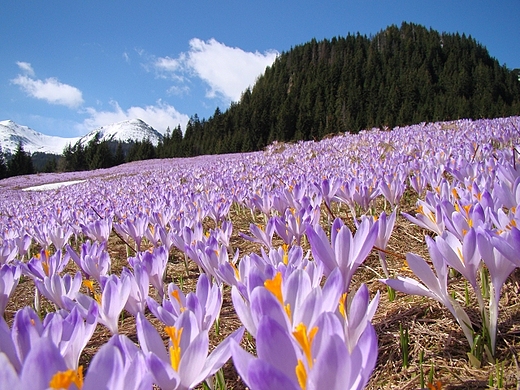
x=228, y=71
x=169, y=64
x=26, y=68
x=159, y=116
x=50, y=90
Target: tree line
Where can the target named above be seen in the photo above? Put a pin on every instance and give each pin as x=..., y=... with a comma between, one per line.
x=400, y=76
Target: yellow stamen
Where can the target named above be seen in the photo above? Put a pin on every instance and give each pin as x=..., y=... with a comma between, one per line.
x=175, y=349
x=457, y=208
x=437, y=386
x=89, y=284
x=46, y=267
x=285, y=253
x=288, y=310
x=455, y=193
x=459, y=253
x=175, y=294
x=305, y=340
x=301, y=374
x=405, y=267
x=64, y=379
x=342, y=305
x=237, y=274
x=275, y=286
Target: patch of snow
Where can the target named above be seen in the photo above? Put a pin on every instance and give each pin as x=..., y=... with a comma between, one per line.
x=52, y=186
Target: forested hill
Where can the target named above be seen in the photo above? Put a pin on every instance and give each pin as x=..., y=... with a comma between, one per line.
x=400, y=76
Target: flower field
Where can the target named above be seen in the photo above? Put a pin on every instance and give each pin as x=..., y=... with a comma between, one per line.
x=386, y=259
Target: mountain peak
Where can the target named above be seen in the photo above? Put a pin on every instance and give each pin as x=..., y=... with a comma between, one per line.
x=130, y=130
x=12, y=134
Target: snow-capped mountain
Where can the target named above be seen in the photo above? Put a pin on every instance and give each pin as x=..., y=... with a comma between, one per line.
x=11, y=134
x=126, y=131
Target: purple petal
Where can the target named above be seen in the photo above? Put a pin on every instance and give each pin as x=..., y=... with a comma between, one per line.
x=42, y=362
x=263, y=376
x=331, y=369
x=274, y=345
x=149, y=338
x=193, y=359
x=164, y=375
x=106, y=370
x=8, y=376
x=409, y=286
x=243, y=311
x=321, y=249
x=220, y=355
x=241, y=360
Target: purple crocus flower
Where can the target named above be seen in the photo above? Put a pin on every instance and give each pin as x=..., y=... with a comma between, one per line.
x=187, y=362
x=344, y=251
x=111, y=301
x=70, y=332
x=508, y=243
x=205, y=303
x=499, y=270
x=134, y=228
x=8, y=251
x=290, y=300
x=427, y=216
x=59, y=236
x=307, y=358
x=463, y=257
x=119, y=364
x=154, y=263
x=9, y=277
x=139, y=282
x=55, y=287
x=261, y=235
x=45, y=264
x=93, y=259
x=111, y=368
x=392, y=187
x=435, y=286
x=98, y=230
x=386, y=226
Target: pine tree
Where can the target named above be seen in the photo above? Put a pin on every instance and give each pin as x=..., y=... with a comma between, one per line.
x=3, y=164
x=119, y=157
x=20, y=163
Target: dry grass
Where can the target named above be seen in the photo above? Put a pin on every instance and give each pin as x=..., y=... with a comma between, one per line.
x=431, y=327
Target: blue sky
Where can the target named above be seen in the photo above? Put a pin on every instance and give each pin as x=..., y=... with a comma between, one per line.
x=68, y=67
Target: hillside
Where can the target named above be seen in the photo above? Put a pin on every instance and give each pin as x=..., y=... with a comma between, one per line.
x=12, y=134
x=400, y=76
x=101, y=148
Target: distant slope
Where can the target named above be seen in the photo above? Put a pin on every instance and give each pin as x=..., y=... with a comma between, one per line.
x=11, y=134
x=400, y=76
